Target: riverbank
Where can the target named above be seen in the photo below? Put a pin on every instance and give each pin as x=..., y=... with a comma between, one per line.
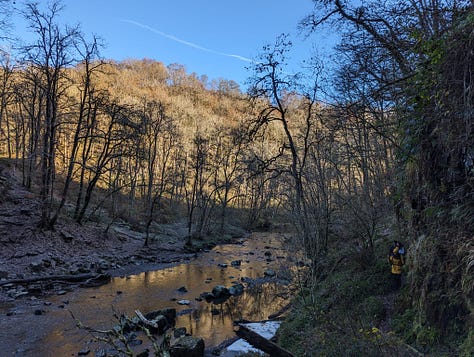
x=40, y=324
x=28, y=253
x=71, y=249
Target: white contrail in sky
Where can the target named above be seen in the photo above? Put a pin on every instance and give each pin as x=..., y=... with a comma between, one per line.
x=187, y=43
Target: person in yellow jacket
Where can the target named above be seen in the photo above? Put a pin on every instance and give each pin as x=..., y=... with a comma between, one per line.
x=396, y=261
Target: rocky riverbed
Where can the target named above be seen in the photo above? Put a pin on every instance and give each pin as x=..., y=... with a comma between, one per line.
x=34, y=263
x=209, y=290
x=37, y=269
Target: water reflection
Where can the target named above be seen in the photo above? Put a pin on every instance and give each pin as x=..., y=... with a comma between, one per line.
x=159, y=289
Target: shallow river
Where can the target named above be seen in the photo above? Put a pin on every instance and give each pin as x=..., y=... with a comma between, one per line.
x=155, y=290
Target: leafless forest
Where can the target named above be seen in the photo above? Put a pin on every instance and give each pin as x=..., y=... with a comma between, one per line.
x=380, y=149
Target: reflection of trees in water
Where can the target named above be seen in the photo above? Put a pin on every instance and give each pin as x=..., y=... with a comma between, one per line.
x=153, y=290
x=204, y=323
x=258, y=301
x=214, y=322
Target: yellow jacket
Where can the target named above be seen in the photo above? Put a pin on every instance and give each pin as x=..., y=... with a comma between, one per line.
x=397, y=263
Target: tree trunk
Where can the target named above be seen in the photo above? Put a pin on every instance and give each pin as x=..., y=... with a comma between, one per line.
x=262, y=343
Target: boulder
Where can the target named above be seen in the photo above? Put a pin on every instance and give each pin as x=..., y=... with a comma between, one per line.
x=36, y=266
x=269, y=272
x=169, y=313
x=236, y=289
x=185, y=312
x=104, y=264
x=220, y=291
x=187, y=346
x=207, y=296
x=179, y=332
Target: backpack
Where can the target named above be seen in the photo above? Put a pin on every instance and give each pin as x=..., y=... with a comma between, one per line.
x=401, y=248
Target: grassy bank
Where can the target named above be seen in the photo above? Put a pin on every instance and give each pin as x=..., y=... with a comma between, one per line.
x=351, y=309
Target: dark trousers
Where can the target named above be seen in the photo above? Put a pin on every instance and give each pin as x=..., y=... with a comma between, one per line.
x=396, y=281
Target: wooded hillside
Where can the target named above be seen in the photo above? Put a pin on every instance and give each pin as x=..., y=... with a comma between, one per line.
x=388, y=154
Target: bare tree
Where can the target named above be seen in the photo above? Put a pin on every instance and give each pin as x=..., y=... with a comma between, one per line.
x=227, y=168
x=159, y=137
x=6, y=8
x=87, y=93
x=107, y=140
x=47, y=59
x=6, y=96
x=28, y=102
x=7, y=70
x=277, y=90
x=199, y=199
x=415, y=56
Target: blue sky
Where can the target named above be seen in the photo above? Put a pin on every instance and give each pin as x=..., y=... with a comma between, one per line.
x=216, y=38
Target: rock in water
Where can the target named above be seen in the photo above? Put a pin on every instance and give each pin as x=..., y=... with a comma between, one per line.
x=220, y=292
x=188, y=346
x=269, y=272
x=179, y=332
x=237, y=289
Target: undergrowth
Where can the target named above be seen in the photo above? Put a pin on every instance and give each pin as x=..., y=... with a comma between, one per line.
x=354, y=312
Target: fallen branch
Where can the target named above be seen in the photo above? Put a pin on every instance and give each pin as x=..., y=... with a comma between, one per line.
x=67, y=278
x=113, y=337
x=414, y=350
x=145, y=321
x=262, y=343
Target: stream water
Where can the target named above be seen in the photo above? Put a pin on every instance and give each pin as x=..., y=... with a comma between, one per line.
x=154, y=290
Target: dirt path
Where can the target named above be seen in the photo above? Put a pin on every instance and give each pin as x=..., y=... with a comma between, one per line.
x=389, y=307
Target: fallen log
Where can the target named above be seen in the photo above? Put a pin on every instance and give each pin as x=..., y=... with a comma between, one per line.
x=67, y=278
x=280, y=312
x=262, y=343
